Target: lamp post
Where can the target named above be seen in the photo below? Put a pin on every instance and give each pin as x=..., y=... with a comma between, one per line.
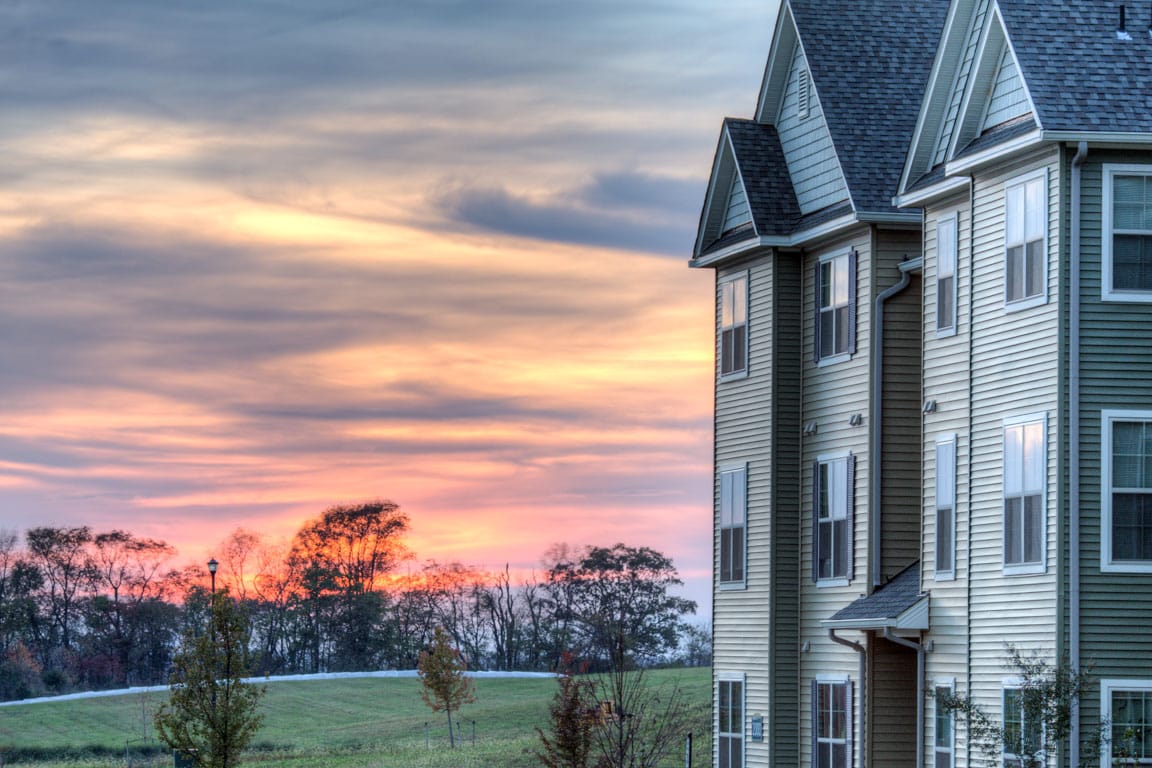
x=212, y=566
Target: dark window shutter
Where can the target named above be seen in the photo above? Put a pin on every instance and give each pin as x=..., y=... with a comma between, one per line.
x=850, y=503
x=849, y=718
x=852, y=302
x=816, y=313
x=815, y=724
x=815, y=521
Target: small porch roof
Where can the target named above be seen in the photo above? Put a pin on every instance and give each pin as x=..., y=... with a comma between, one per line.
x=899, y=604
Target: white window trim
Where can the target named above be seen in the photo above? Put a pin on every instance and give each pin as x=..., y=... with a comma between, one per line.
x=1107, y=687
x=1042, y=297
x=949, y=575
x=824, y=458
x=732, y=586
x=732, y=677
x=951, y=330
x=742, y=373
x=1106, y=292
x=1042, y=566
x=842, y=679
x=842, y=356
x=1107, y=564
x=950, y=684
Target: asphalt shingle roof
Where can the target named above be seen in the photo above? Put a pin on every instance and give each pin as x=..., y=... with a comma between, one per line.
x=1080, y=76
x=760, y=158
x=870, y=61
x=888, y=602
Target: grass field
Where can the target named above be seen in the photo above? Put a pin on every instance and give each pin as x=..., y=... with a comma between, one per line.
x=349, y=723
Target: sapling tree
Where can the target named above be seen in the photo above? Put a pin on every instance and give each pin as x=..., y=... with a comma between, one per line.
x=442, y=674
x=573, y=716
x=212, y=714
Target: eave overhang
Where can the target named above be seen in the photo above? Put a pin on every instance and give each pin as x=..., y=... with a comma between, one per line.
x=914, y=617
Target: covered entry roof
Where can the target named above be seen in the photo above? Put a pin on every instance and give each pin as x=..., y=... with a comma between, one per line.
x=899, y=604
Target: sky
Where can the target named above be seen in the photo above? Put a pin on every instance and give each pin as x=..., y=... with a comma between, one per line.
x=265, y=256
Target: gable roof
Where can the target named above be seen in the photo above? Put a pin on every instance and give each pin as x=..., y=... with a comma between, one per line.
x=760, y=158
x=869, y=61
x=899, y=604
x=1081, y=76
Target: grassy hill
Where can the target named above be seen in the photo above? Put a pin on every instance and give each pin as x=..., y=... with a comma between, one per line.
x=347, y=723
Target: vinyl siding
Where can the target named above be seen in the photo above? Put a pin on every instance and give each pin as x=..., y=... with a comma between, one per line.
x=1014, y=373
x=808, y=150
x=960, y=81
x=756, y=425
x=1008, y=98
x=1116, y=373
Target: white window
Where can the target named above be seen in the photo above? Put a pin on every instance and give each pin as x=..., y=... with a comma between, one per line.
x=1022, y=730
x=734, y=326
x=1126, y=706
x=947, y=252
x=832, y=503
x=946, y=508
x=1025, y=475
x=835, y=320
x=944, y=741
x=1126, y=250
x=1026, y=241
x=733, y=516
x=730, y=729
x=1126, y=491
x=831, y=724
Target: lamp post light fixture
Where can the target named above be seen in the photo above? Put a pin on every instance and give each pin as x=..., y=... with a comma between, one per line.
x=212, y=566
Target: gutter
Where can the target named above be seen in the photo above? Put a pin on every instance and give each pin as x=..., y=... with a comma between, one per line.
x=877, y=441
x=1074, y=451
x=861, y=737
x=919, y=648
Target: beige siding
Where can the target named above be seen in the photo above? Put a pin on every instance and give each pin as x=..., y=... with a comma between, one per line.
x=1014, y=373
x=808, y=150
x=754, y=625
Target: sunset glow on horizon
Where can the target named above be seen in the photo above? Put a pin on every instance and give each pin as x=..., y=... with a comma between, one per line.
x=262, y=259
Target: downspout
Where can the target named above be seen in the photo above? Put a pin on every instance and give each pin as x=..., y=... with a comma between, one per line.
x=877, y=432
x=1074, y=452
x=862, y=735
x=919, y=648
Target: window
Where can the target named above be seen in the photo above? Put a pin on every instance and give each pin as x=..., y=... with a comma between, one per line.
x=947, y=251
x=835, y=321
x=1025, y=468
x=946, y=507
x=1126, y=263
x=944, y=740
x=1126, y=705
x=1021, y=729
x=1126, y=491
x=832, y=513
x=731, y=726
x=831, y=724
x=734, y=325
x=1025, y=241
x=733, y=514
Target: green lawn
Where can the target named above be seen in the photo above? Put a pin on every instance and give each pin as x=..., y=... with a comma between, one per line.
x=369, y=722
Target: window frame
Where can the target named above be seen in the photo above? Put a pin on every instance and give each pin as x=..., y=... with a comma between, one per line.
x=1108, y=687
x=1027, y=301
x=1012, y=759
x=730, y=679
x=851, y=261
x=948, y=684
x=848, y=518
x=729, y=285
x=739, y=480
x=1108, y=563
x=817, y=738
x=1107, y=266
x=945, y=574
x=953, y=219
x=1041, y=565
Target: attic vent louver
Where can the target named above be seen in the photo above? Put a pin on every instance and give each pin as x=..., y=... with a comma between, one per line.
x=1122, y=31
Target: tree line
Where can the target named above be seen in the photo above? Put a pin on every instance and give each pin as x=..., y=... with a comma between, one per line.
x=81, y=609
